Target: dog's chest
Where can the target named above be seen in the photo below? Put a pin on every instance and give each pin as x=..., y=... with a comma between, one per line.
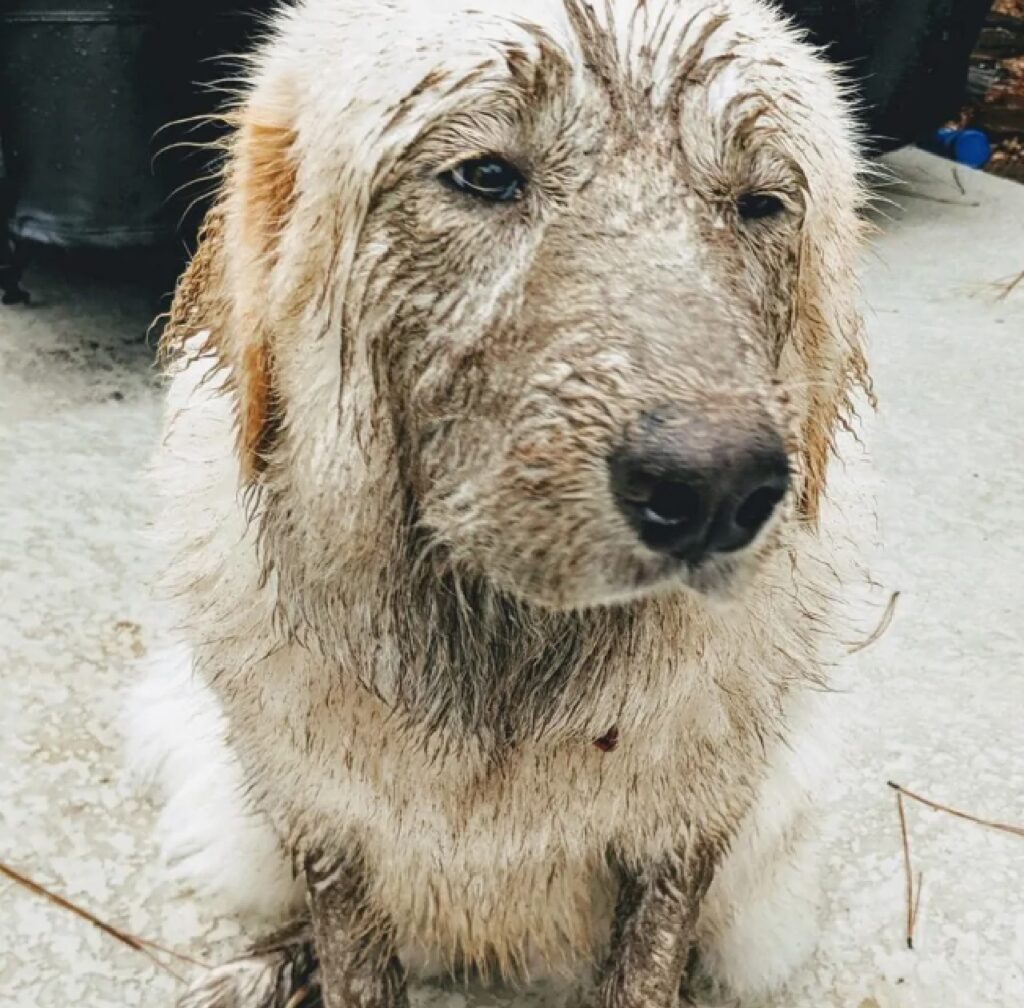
x=481, y=857
x=616, y=773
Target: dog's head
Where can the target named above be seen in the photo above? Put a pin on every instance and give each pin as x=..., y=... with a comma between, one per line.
x=565, y=287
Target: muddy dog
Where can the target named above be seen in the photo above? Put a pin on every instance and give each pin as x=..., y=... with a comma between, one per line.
x=502, y=390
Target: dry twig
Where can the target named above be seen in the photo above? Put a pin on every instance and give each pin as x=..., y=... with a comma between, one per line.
x=1009, y=286
x=987, y=823
x=940, y=199
x=907, y=870
x=137, y=944
x=914, y=891
x=917, y=898
x=883, y=625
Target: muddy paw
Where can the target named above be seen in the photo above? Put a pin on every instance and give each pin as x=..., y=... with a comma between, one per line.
x=276, y=974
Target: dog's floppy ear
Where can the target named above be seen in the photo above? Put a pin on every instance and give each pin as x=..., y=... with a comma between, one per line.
x=224, y=293
x=827, y=328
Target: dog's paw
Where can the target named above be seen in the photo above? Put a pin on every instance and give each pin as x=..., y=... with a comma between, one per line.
x=281, y=975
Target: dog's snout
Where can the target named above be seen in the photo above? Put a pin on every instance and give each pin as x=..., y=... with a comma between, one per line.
x=691, y=491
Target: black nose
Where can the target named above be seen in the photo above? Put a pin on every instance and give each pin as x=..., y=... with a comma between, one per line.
x=690, y=491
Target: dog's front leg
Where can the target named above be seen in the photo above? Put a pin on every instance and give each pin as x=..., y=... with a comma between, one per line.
x=341, y=956
x=355, y=944
x=653, y=930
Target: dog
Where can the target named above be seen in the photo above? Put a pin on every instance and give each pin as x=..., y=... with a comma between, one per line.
x=503, y=386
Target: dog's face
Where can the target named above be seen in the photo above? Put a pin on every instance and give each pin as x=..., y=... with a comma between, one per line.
x=579, y=280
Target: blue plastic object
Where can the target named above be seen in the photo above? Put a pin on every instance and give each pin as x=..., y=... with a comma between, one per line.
x=968, y=147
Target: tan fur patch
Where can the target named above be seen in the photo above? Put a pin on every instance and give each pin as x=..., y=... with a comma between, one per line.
x=199, y=301
x=263, y=177
x=256, y=413
x=266, y=179
x=829, y=342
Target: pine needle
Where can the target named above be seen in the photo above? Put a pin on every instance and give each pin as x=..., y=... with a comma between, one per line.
x=914, y=890
x=987, y=823
x=907, y=869
x=883, y=625
x=135, y=943
x=1009, y=286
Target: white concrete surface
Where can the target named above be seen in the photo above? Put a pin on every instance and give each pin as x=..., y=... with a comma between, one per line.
x=942, y=694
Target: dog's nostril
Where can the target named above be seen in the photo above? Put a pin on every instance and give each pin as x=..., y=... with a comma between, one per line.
x=743, y=514
x=669, y=510
x=755, y=511
x=673, y=503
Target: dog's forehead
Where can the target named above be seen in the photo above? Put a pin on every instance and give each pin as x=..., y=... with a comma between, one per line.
x=362, y=82
x=387, y=51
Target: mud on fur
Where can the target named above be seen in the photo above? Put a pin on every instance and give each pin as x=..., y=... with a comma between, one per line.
x=501, y=394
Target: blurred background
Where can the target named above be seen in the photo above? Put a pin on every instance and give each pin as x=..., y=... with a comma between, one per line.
x=106, y=127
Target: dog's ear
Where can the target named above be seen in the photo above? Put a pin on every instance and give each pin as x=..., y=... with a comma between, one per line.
x=224, y=292
x=827, y=328
x=261, y=190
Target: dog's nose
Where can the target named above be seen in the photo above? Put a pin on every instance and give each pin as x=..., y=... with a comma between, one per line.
x=692, y=498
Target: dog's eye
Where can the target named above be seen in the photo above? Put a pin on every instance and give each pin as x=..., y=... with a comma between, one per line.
x=756, y=206
x=488, y=178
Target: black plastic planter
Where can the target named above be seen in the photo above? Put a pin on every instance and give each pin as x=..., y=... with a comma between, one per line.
x=907, y=58
x=87, y=90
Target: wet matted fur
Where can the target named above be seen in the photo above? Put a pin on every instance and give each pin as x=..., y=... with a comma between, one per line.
x=423, y=658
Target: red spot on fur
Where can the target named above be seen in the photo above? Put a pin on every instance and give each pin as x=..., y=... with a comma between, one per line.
x=609, y=741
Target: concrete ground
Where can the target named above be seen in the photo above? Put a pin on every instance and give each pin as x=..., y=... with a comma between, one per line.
x=941, y=694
